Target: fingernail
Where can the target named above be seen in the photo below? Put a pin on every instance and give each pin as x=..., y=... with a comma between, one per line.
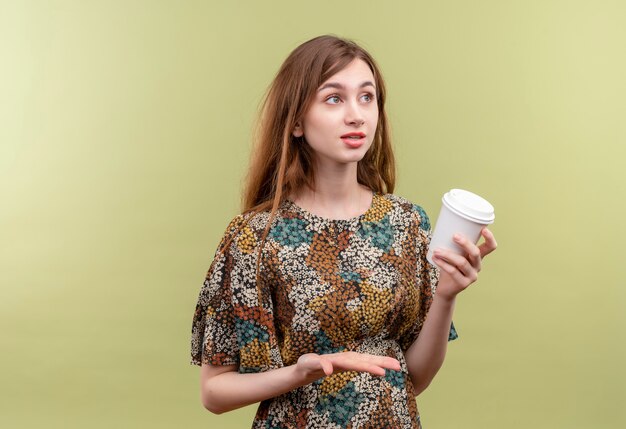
x=457, y=237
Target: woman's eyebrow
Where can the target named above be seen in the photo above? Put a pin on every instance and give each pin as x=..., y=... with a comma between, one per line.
x=340, y=86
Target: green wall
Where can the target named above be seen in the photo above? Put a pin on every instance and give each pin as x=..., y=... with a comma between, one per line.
x=124, y=140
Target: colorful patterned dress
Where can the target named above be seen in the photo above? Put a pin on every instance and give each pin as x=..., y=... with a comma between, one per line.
x=324, y=286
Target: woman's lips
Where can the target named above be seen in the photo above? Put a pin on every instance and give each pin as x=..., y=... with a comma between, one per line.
x=353, y=140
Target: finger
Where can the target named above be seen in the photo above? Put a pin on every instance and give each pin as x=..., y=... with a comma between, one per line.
x=385, y=362
x=392, y=363
x=349, y=364
x=472, y=251
x=453, y=272
x=374, y=370
x=382, y=361
x=459, y=262
x=363, y=362
x=490, y=243
x=315, y=362
x=327, y=366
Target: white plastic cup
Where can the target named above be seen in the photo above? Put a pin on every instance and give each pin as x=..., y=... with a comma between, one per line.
x=462, y=212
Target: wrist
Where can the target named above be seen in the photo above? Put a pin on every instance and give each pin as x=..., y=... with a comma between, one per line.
x=445, y=299
x=304, y=376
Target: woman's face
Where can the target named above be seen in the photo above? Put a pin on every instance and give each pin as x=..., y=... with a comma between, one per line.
x=341, y=121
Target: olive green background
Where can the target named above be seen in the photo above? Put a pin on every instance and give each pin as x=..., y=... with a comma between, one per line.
x=124, y=139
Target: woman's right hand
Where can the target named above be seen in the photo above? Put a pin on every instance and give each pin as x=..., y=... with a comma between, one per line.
x=313, y=366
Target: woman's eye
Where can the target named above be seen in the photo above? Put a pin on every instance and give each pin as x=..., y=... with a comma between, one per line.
x=368, y=97
x=333, y=99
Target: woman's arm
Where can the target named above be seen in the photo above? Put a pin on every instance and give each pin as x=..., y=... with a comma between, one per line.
x=426, y=355
x=224, y=389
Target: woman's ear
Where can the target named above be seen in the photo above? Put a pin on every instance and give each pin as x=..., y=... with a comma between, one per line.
x=297, y=131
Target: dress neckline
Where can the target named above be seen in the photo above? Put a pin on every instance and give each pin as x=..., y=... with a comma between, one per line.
x=313, y=217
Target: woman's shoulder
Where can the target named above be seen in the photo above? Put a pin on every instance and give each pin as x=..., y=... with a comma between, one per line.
x=252, y=219
x=244, y=230
x=409, y=208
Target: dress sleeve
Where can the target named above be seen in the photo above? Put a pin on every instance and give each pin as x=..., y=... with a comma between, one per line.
x=233, y=322
x=427, y=277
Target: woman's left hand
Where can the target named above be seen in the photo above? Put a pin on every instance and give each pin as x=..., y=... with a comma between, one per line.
x=457, y=272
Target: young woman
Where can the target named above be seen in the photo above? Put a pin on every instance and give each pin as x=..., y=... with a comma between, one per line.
x=320, y=303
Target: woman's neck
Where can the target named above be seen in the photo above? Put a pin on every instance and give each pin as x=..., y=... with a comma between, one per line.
x=337, y=193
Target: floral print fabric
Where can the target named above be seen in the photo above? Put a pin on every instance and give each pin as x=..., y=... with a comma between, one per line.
x=324, y=286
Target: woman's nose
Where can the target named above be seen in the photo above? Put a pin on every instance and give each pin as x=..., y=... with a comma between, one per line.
x=354, y=116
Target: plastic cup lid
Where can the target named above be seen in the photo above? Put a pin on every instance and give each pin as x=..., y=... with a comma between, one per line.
x=469, y=205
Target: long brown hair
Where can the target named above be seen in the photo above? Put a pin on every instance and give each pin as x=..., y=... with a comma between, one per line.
x=281, y=163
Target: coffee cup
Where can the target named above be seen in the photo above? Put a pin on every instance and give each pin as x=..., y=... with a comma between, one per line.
x=462, y=212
